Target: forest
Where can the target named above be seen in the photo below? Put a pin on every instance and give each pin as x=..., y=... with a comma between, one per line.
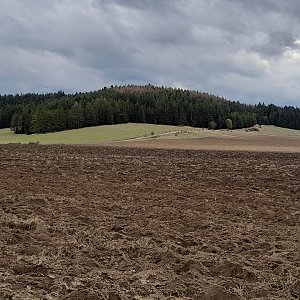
x=41, y=113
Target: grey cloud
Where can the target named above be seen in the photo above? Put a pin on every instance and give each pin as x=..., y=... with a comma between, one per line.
x=158, y=6
x=233, y=48
x=277, y=43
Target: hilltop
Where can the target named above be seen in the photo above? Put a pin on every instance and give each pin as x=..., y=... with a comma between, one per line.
x=41, y=113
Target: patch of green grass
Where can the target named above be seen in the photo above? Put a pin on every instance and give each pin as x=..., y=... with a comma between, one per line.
x=89, y=135
x=109, y=133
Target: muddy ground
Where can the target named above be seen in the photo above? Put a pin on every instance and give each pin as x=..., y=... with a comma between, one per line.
x=83, y=223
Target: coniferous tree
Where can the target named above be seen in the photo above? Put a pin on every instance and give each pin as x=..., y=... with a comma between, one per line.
x=32, y=113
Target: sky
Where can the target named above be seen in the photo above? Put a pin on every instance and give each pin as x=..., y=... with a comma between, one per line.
x=246, y=50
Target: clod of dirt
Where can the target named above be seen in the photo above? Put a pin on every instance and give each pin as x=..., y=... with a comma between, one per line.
x=295, y=289
x=218, y=293
x=6, y=295
x=37, y=202
x=229, y=269
x=134, y=230
x=114, y=296
x=14, y=238
x=22, y=224
x=84, y=295
x=30, y=269
x=29, y=250
x=212, y=249
x=191, y=265
x=74, y=211
x=188, y=241
x=168, y=257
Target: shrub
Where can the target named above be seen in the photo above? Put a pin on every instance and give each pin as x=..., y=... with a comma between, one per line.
x=228, y=124
x=212, y=125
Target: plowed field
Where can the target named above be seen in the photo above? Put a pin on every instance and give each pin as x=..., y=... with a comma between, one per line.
x=228, y=143
x=81, y=222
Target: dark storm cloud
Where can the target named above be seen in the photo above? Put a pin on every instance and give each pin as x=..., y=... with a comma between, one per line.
x=247, y=50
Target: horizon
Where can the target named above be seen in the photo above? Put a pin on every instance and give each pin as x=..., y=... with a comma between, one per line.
x=145, y=85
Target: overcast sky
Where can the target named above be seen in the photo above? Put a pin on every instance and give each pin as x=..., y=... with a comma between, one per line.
x=247, y=50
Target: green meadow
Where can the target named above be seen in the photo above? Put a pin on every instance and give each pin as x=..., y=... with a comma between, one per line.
x=90, y=135
x=121, y=132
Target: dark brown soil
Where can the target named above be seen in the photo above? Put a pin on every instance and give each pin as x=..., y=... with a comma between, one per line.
x=115, y=223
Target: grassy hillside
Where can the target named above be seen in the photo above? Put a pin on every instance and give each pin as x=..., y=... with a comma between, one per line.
x=45, y=113
x=263, y=131
x=120, y=132
x=89, y=135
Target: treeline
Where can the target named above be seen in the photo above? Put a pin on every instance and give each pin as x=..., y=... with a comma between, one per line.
x=9, y=104
x=35, y=113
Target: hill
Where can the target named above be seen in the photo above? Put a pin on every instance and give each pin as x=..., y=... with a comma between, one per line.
x=34, y=113
x=266, y=138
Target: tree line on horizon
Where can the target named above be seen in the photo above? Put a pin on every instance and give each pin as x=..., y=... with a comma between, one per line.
x=41, y=113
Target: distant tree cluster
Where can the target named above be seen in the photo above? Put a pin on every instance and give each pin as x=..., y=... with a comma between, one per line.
x=41, y=113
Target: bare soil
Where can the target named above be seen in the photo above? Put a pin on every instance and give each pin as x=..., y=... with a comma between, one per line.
x=263, y=143
x=82, y=222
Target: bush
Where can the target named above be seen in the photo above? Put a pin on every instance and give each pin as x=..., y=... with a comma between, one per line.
x=212, y=125
x=228, y=124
